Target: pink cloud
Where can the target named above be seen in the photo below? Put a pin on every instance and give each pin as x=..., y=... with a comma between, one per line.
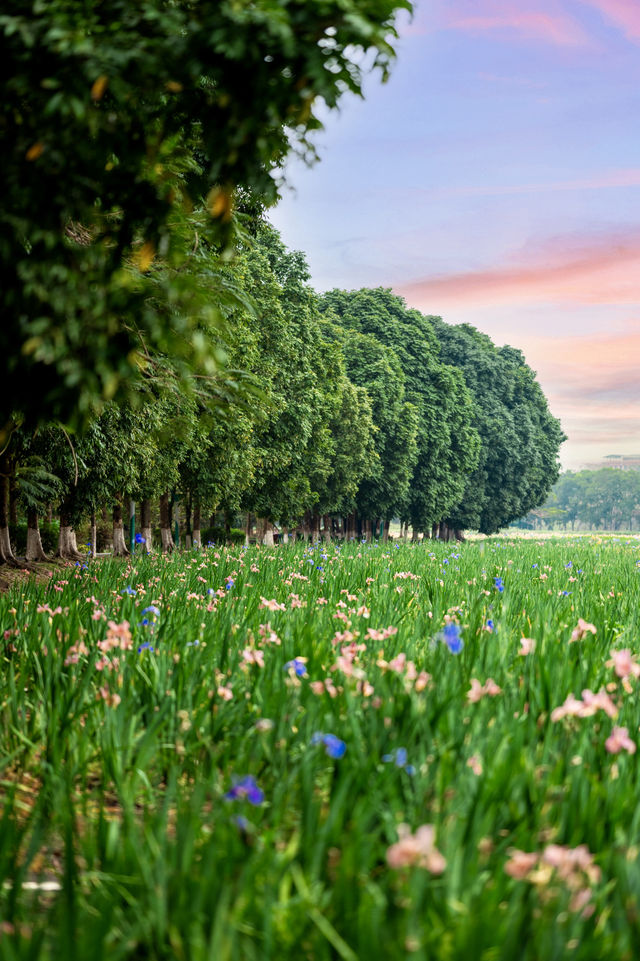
x=592, y=385
x=605, y=272
x=624, y=13
x=545, y=21
x=542, y=25
x=611, y=179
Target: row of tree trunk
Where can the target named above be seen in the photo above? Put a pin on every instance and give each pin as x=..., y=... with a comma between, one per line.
x=314, y=527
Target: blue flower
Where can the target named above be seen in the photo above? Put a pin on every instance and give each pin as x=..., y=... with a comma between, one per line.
x=152, y=610
x=490, y=625
x=229, y=584
x=451, y=637
x=129, y=590
x=245, y=787
x=145, y=647
x=210, y=591
x=499, y=585
x=333, y=746
x=296, y=665
x=140, y=539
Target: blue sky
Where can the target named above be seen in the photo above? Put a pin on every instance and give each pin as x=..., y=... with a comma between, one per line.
x=495, y=180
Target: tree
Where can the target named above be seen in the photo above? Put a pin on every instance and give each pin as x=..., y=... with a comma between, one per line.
x=117, y=119
x=376, y=369
x=606, y=498
x=447, y=443
x=520, y=439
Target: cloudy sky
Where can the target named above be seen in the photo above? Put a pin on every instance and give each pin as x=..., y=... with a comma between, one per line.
x=495, y=180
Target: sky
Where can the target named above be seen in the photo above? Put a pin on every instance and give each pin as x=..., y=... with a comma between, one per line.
x=495, y=180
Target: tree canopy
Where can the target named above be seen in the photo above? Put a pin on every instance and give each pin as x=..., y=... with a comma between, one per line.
x=126, y=131
x=520, y=439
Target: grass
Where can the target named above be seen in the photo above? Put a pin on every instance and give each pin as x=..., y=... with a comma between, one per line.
x=121, y=833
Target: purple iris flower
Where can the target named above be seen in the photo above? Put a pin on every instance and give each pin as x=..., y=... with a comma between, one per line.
x=296, y=665
x=451, y=637
x=333, y=746
x=399, y=758
x=245, y=787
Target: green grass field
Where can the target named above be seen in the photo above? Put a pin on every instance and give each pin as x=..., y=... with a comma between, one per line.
x=356, y=752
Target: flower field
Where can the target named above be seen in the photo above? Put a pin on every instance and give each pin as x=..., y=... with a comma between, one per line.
x=367, y=751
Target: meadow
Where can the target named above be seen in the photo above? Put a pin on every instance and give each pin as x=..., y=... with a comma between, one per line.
x=358, y=751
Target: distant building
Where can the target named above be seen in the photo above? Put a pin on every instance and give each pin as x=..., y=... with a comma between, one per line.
x=618, y=461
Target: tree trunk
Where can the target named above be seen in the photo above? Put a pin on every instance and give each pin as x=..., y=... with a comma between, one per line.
x=67, y=547
x=119, y=544
x=13, y=500
x=93, y=537
x=145, y=524
x=385, y=531
x=187, y=523
x=306, y=525
x=327, y=528
x=267, y=539
x=35, y=551
x=165, y=524
x=315, y=527
x=197, y=537
x=285, y=535
x=459, y=535
x=247, y=529
x=6, y=553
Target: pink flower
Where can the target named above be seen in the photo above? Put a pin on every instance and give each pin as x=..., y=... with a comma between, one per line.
x=252, y=656
x=600, y=701
x=520, y=863
x=477, y=690
x=416, y=849
x=582, y=630
x=623, y=663
x=619, y=740
x=475, y=764
x=398, y=663
x=571, y=708
x=527, y=646
x=112, y=700
x=271, y=605
x=587, y=707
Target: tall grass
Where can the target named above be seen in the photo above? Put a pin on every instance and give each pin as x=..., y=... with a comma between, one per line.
x=122, y=835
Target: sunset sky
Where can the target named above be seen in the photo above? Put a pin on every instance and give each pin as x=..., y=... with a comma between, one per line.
x=495, y=180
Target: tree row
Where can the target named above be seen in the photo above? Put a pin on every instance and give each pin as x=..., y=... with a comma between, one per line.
x=336, y=412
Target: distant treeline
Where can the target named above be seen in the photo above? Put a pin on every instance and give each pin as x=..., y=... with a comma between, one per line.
x=606, y=499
